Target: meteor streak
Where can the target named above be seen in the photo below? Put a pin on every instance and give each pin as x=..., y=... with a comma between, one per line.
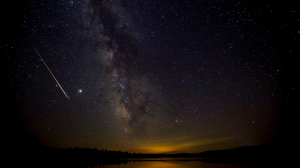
x=50, y=71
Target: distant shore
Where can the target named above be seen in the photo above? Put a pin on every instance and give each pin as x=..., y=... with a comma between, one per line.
x=33, y=153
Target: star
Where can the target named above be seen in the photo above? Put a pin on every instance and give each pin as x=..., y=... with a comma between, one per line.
x=80, y=90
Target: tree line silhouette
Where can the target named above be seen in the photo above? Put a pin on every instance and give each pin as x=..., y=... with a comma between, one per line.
x=30, y=151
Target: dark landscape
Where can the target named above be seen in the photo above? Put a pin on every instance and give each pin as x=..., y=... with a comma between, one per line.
x=32, y=153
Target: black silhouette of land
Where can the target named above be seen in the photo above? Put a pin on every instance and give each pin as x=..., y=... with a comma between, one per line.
x=31, y=152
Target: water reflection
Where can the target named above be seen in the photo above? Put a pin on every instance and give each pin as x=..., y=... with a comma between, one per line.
x=170, y=164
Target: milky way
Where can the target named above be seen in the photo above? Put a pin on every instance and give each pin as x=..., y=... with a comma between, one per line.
x=121, y=61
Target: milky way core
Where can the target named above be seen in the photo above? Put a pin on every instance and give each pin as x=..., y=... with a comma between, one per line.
x=131, y=100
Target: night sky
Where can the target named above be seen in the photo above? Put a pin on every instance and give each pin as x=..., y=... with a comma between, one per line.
x=151, y=76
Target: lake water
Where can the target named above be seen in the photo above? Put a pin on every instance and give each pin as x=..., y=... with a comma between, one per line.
x=166, y=163
x=171, y=164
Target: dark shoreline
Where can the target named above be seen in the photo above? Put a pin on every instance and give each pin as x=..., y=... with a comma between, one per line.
x=34, y=154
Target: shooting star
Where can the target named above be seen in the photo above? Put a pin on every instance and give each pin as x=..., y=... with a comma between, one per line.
x=50, y=71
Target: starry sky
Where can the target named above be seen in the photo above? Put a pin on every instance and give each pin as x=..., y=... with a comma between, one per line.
x=152, y=76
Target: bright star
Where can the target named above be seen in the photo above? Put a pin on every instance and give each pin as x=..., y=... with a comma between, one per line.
x=80, y=91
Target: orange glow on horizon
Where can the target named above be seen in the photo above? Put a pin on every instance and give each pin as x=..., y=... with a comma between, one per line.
x=157, y=149
x=165, y=148
x=177, y=147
